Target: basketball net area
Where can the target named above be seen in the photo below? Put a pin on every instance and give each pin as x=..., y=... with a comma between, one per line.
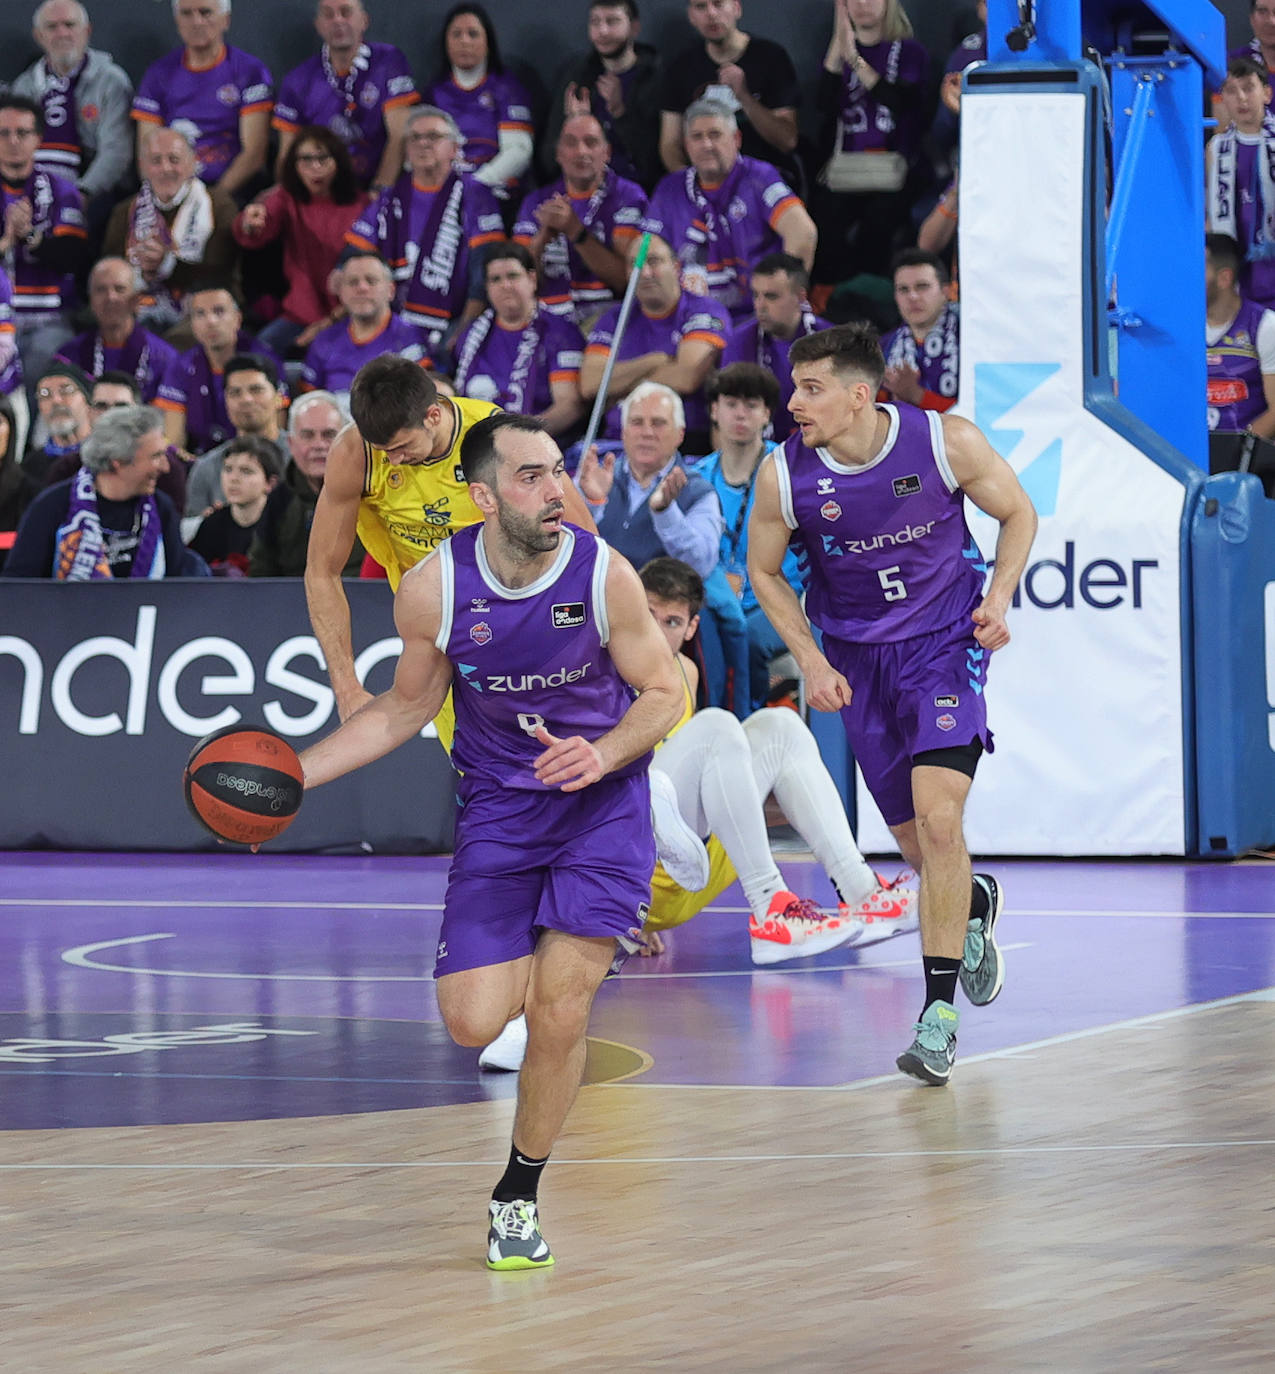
x=1115, y=720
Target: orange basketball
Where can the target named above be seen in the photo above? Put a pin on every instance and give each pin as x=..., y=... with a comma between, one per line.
x=243, y=784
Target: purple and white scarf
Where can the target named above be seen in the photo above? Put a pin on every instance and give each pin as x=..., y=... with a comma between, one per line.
x=1224, y=190
x=942, y=352
x=79, y=554
x=344, y=87
x=555, y=261
x=442, y=240
x=60, y=149
x=519, y=373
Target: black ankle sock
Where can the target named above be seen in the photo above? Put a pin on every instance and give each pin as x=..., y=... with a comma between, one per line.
x=979, y=903
x=940, y=979
x=521, y=1178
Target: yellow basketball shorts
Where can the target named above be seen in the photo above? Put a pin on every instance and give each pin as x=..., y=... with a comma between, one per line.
x=674, y=906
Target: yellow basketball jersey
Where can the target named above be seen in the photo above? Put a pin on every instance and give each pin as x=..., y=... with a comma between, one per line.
x=408, y=509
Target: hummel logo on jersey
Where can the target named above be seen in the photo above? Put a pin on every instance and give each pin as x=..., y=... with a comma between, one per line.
x=907, y=486
x=479, y=605
x=567, y=615
x=826, y=486
x=442, y=950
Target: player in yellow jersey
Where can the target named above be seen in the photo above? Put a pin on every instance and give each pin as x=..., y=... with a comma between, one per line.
x=393, y=478
x=721, y=771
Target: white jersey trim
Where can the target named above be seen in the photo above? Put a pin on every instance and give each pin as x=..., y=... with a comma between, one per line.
x=938, y=446
x=542, y=583
x=447, y=573
x=784, y=480
x=853, y=469
x=600, y=566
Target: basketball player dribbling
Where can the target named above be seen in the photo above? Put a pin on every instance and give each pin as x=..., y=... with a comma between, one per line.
x=562, y=683
x=875, y=494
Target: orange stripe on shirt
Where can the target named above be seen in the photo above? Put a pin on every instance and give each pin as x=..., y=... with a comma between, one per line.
x=285, y=126
x=174, y=407
x=516, y=125
x=69, y=231
x=571, y=374
x=144, y=117
x=397, y=102
x=481, y=240
x=782, y=209
x=257, y=107
x=705, y=337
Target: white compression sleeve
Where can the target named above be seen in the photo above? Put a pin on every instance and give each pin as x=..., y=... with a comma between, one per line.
x=708, y=761
x=786, y=761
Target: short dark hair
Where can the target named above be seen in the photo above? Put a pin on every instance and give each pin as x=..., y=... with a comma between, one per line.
x=206, y=284
x=251, y=362
x=918, y=257
x=630, y=7
x=792, y=267
x=478, y=448
x=672, y=580
x=1240, y=67
x=114, y=376
x=745, y=382
x=508, y=251
x=1224, y=252
x=345, y=182
x=259, y=448
x=9, y=101
x=849, y=347
x=390, y=394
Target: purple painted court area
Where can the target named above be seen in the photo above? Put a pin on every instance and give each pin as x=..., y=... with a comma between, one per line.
x=152, y=989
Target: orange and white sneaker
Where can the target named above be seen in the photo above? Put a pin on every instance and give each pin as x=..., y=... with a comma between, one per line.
x=889, y=910
x=795, y=928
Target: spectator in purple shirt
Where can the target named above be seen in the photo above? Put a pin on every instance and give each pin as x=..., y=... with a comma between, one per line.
x=42, y=237
x=431, y=227
x=219, y=96
x=781, y=314
x=872, y=95
x=725, y=211
x=361, y=91
x=365, y=289
x=673, y=336
x=579, y=228
x=192, y=394
x=517, y=354
x=489, y=104
x=118, y=341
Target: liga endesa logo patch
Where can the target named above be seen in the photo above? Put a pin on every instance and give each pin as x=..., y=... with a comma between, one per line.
x=568, y=615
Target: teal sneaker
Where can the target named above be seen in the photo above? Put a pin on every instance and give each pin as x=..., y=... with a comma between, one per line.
x=931, y=1055
x=982, y=964
x=514, y=1240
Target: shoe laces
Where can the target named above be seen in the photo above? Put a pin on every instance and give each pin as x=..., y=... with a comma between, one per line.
x=802, y=909
x=933, y=1036
x=515, y=1220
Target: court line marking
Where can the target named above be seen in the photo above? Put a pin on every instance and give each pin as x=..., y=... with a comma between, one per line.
x=1008, y=1052
x=264, y=1166
x=317, y=905
x=80, y=957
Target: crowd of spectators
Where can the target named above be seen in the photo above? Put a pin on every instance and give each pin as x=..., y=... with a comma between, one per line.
x=212, y=239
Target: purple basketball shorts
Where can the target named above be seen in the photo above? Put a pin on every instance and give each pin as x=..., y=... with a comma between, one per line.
x=910, y=696
x=524, y=861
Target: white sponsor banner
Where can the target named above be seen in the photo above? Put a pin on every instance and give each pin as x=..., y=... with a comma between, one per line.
x=1086, y=702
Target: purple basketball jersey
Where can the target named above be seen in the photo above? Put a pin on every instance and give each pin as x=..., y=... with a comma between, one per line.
x=1236, y=396
x=889, y=552
x=529, y=656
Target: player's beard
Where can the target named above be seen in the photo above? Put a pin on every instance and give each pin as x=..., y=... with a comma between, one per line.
x=526, y=535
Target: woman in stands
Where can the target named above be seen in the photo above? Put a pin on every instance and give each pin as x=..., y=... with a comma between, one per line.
x=316, y=201
x=490, y=104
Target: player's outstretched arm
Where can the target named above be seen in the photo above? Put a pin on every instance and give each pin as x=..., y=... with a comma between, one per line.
x=331, y=539
x=989, y=481
x=421, y=683
x=826, y=689
x=644, y=660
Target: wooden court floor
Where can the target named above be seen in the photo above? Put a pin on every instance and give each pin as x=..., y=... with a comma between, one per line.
x=1100, y=1199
